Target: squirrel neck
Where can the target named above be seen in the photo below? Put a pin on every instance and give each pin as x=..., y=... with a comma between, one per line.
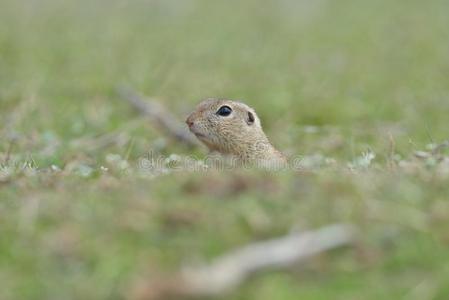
x=255, y=148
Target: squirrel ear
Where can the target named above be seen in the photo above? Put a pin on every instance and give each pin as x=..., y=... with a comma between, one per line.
x=250, y=119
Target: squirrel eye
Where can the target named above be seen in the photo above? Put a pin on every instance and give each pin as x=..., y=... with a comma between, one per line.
x=224, y=111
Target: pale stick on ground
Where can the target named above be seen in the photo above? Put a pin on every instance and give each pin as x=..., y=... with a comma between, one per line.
x=227, y=272
x=158, y=114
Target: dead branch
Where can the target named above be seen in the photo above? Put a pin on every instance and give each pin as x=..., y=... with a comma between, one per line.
x=230, y=270
x=156, y=113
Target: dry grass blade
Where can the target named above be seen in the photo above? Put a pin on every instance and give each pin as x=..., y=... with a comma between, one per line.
x=230, y=270
x=440, y=147
x=156, y=112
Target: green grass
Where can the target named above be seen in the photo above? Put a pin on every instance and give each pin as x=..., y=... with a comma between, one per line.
x=330, y=80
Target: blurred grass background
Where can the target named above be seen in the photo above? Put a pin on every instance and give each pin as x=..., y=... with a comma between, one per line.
x=329, y=80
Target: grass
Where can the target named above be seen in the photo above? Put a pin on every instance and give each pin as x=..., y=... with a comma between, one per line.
x=330, y=81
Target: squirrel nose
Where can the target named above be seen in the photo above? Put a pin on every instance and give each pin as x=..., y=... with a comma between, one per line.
x=189, y=122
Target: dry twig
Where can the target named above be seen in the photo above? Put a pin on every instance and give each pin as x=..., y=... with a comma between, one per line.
x=230, y=270
x=155, y=112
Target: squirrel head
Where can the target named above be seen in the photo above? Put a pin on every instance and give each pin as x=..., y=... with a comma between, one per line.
x=226, y=126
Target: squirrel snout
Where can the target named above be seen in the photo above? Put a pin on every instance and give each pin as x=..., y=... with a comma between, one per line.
x=189, y=122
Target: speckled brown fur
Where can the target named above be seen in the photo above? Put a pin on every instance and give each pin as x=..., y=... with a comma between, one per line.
x=238, y=134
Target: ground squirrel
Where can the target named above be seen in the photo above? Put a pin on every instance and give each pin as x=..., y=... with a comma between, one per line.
x=233, y=128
